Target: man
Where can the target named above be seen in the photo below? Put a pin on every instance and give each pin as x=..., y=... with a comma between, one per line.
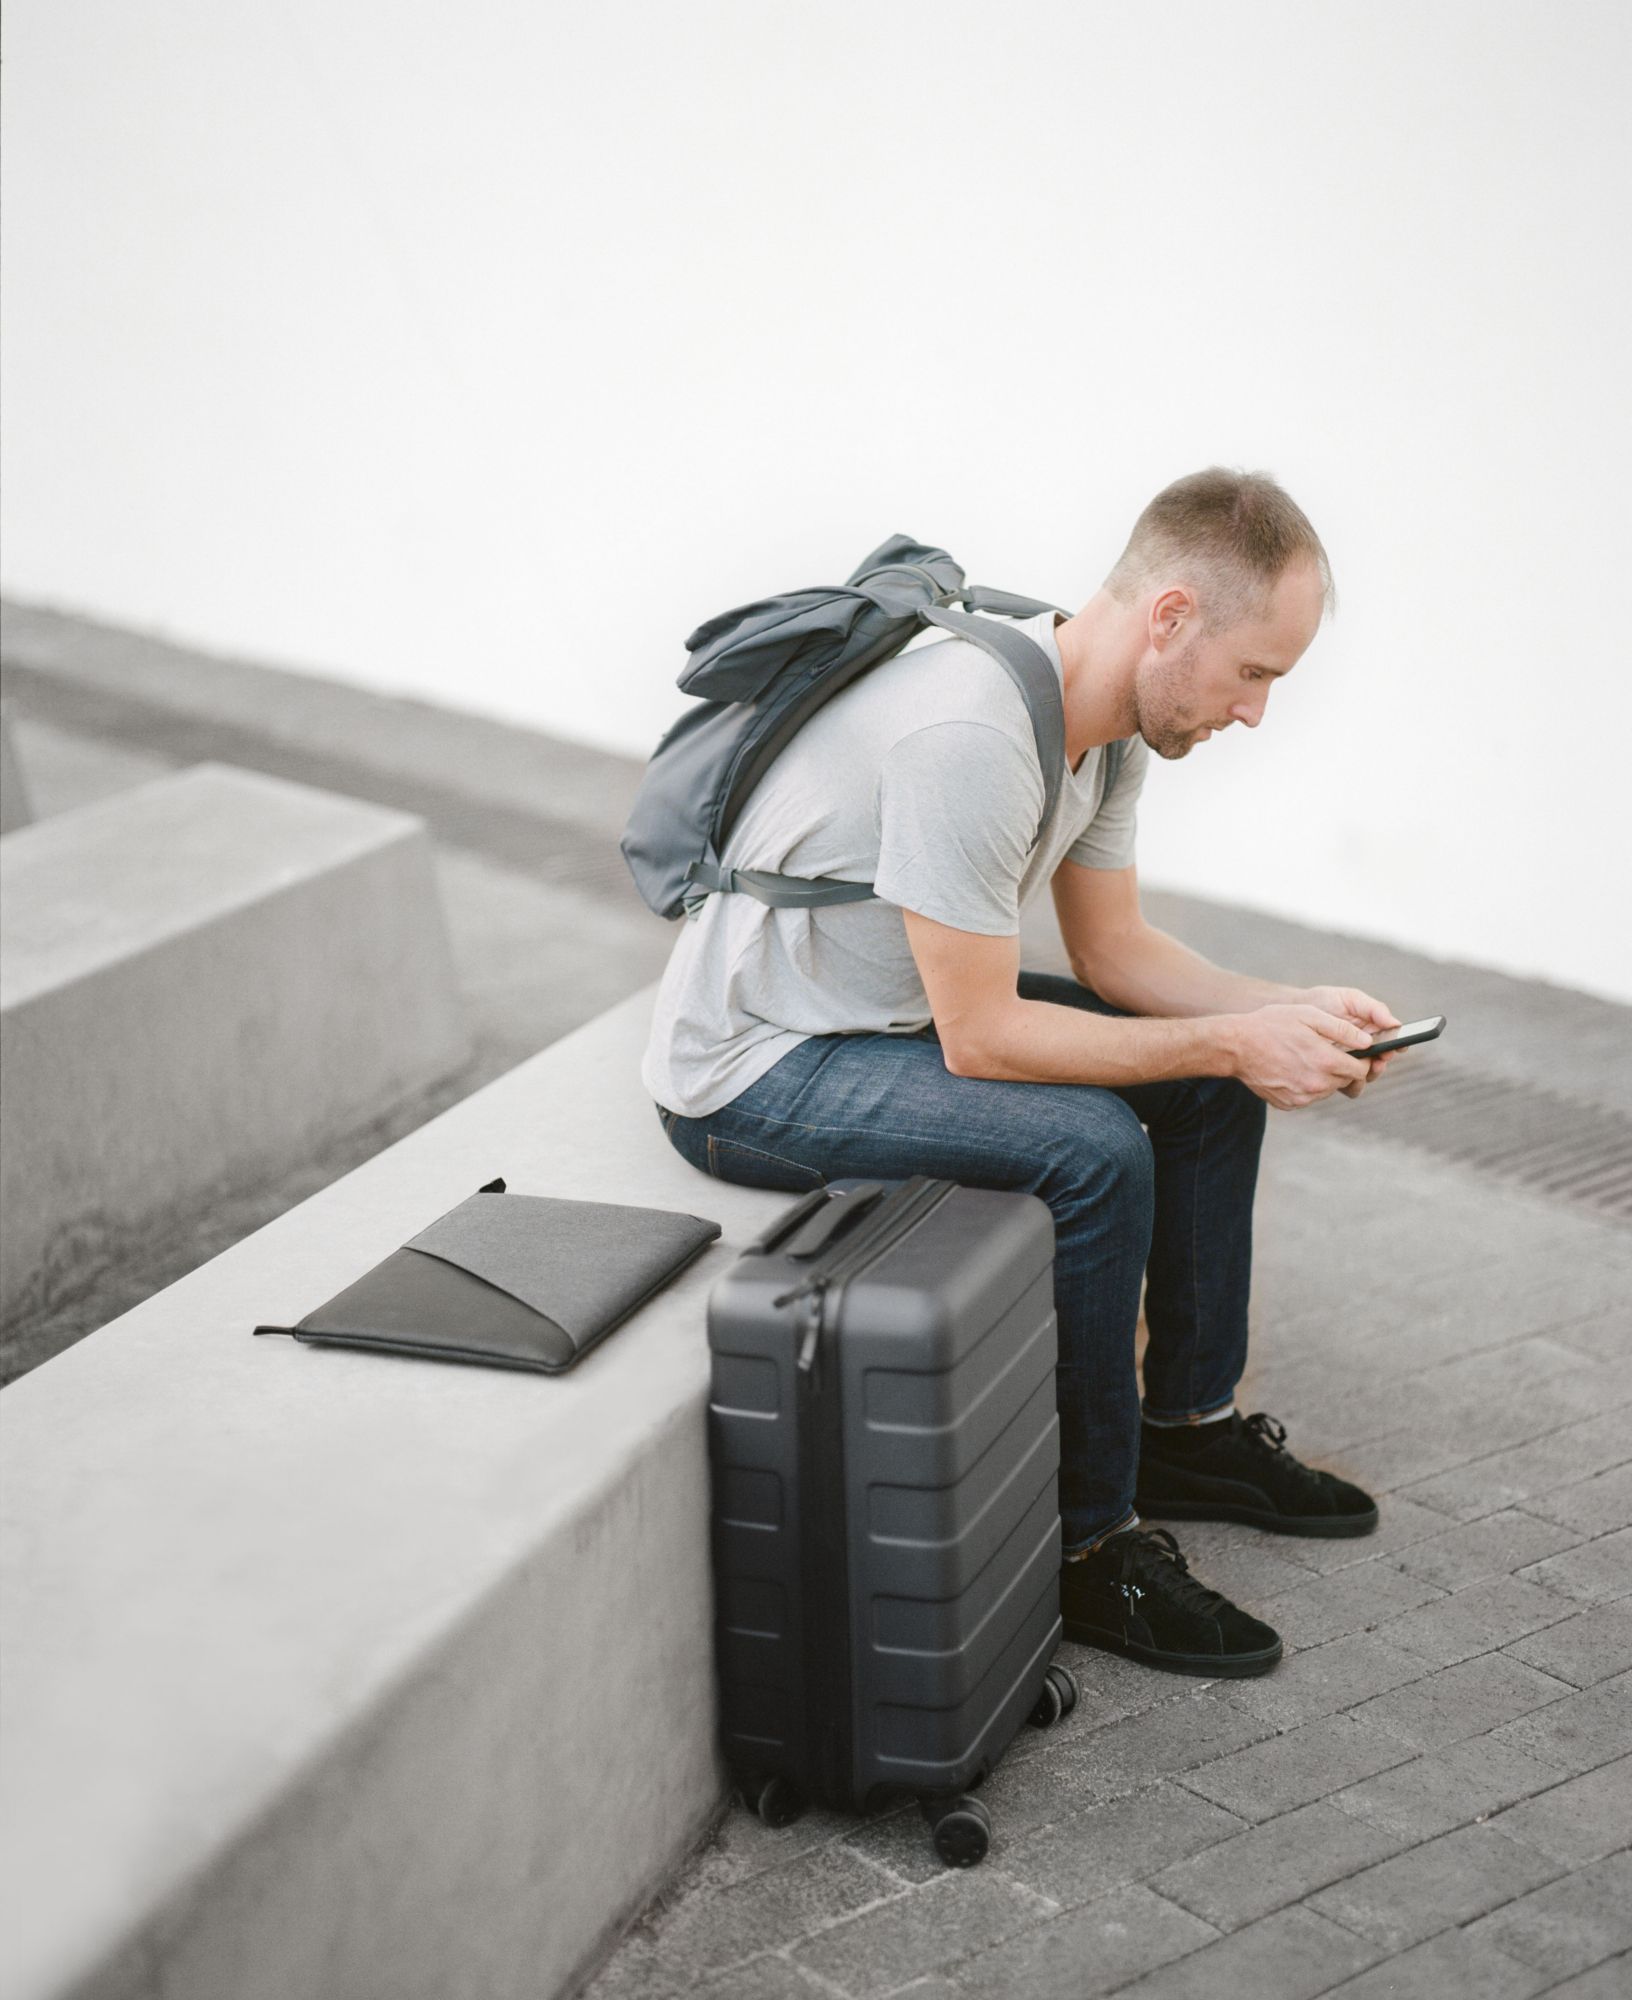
x=900, y=1036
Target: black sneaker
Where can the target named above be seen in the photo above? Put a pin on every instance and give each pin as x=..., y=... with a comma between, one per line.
x=1134, y=1594
x=1242, y=1471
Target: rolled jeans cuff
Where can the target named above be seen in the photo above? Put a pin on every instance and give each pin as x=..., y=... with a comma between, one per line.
x=1130, y=1520
x=1177, y=1419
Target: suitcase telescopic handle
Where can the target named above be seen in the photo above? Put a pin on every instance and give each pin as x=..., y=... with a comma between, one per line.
x=787, y=1222
x=820, y=1230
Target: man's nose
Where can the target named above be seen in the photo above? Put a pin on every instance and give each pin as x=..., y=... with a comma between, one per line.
x=1249, y=712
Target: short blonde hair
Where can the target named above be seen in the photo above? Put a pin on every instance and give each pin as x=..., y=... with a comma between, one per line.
x=1227, y=535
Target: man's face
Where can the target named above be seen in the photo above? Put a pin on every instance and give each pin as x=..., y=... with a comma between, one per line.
x=1189, y=685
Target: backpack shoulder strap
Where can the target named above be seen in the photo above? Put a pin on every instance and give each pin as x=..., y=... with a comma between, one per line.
x=1029, y=667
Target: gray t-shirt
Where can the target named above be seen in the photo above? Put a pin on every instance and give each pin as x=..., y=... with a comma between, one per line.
x=922, y=778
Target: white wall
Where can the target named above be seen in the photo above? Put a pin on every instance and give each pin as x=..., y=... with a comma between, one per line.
x=481, y=351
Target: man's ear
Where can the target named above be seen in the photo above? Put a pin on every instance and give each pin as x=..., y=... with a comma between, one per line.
x=1171, y=611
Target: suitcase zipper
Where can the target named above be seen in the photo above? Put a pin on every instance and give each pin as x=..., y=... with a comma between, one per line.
x=886, y=1227
x=823, y=1553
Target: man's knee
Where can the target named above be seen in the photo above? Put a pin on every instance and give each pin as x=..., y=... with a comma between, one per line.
x=1230, y=1101
x=1110, y=1167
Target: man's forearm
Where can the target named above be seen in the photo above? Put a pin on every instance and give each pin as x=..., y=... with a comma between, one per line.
x=1036, y=1041
x=1148, y=972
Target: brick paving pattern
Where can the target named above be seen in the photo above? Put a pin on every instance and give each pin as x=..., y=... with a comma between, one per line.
x=1432, y=1795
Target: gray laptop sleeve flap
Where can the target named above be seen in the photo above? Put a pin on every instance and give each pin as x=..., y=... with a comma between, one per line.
x=516, y=1281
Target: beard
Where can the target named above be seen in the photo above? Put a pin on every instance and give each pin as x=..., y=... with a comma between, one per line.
x=1161, y=699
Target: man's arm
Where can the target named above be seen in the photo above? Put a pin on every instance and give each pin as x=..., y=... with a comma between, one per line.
x=1130, y=963
x=1289, y=1055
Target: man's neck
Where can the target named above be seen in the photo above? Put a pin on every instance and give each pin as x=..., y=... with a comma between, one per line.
x=1097, y=659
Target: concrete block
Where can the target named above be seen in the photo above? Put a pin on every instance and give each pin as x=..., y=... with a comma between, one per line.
x=919, y=1932
x=1293, y=1955
x=66, y=769
x=1596, y=1572
x=1081, y=1857
x=1590, y=1506
x=1577, y=1822
x=1508, y=1478
x=1476, y=1620
x=15, y=808
x=1583, y=1730
x=1089, y=1951
x=1582, y=1650
x=1494, y=1546
x=1275, y=1863
x=1569, y=1926
x=1461, y=1701
x=1351, y=1600
x=1446, y=1881
x=771, y=1911
x=634, y=1974
x=334, y=1673
x=1608, y=1981
x=1323, y=1679
x=1290, y=1770
x=1174, y=1738
x=1401, y=1524
x=1453, y=1442
x=1432, y=1795
x=773, y=1978
x=204, y=979
x=1452, y=1966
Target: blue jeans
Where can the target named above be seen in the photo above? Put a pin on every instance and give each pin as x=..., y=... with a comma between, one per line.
x=1174, y=1206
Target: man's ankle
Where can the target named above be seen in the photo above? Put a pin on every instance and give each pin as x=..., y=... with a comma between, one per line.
x=1122, y=1527
x=1178, y=1436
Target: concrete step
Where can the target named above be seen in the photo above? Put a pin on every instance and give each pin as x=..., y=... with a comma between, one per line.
x=206, y=979
x=343, y=1674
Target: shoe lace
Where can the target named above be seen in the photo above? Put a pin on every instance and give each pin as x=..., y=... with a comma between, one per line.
x=1266, y=1435
x=1151, y=1559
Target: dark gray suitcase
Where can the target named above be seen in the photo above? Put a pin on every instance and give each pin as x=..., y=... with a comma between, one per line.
x=885, y=1457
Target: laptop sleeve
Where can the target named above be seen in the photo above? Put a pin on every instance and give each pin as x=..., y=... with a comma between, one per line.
x=511, y=1280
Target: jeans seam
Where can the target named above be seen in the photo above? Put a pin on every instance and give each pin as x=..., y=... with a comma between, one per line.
x=715, y=1140
x=1196, y=1341
x=850, y=1130
x=859, y=1130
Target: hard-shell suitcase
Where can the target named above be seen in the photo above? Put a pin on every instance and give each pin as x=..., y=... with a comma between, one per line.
x=885, y=1458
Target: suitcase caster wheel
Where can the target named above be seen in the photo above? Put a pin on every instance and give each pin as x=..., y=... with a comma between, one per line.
x=779, y=1803
x=961, y=1830
x=1055, y=1699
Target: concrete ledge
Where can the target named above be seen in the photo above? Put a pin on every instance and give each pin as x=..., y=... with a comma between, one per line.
x=339, y=1674
x=205, y=978
x=15, y=810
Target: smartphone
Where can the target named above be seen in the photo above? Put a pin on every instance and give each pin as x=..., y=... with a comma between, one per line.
x=1405, y=1037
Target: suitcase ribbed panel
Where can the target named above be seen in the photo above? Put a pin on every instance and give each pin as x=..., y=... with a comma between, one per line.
x=949, y=1348
x=945, y=1347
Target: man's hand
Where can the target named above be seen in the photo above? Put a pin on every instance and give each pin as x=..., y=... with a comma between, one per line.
x=1292, y=1053
x=1365, y=1012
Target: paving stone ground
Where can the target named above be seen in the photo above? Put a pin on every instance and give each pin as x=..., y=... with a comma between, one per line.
x=1432, y=1795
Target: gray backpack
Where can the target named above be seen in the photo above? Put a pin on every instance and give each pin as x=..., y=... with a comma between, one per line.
x=764, y=670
